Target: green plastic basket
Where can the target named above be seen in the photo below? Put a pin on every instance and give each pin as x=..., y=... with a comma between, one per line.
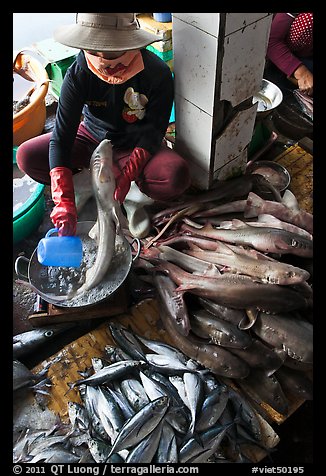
x=164, y=55
x=29, y=216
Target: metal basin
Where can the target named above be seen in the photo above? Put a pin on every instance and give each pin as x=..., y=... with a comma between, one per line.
x=275, y=173
x=53, y=284
x=268, y=97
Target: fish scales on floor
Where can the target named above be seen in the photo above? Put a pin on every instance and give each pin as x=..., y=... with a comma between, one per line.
x=169, y=409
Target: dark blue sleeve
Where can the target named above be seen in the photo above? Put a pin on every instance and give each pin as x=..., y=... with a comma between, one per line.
x=68, y=116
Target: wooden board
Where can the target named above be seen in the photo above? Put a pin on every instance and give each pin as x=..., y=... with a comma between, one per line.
x=116, y=304
x=299, y=163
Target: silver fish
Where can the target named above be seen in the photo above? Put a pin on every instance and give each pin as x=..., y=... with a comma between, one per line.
x=145, y=450
x=167, y=364
x=109, y=373
x=193, y=451
x=99, y=449
x=163, y=349
x=126, y=340
x=109, y=412
x=107, y=229
x=212, y=408
x=167, y=451
x=134, y=393
x=78, y=416
x=194, y=389
x=29, y=341
x=155, y=389
x=55, y=455
x=23, y=377
x=141, y=424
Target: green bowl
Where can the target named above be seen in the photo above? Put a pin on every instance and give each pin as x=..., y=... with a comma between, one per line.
x=29, y=216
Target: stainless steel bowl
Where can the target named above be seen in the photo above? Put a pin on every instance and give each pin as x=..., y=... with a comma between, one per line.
x=274, y=172
x=268, y=97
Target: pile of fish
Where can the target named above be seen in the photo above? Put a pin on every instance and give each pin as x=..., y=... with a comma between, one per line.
x=233, y=278
x=145, y=401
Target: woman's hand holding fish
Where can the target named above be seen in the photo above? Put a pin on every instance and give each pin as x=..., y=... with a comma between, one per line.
x=131, y=171
x=64, y=214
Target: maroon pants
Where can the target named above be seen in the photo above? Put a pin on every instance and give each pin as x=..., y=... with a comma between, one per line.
x=164, y=177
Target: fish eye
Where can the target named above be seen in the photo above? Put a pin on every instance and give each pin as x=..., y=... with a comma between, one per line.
x=48, y=333
x=294, y=243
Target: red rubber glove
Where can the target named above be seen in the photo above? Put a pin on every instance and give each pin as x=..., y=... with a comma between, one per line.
x=131, y=171
x=64, y=214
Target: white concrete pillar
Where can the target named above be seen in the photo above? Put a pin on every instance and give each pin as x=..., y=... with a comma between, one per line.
x=219, y=60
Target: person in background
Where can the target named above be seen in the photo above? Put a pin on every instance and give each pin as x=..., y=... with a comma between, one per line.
x=118, y=90
x=290, y=50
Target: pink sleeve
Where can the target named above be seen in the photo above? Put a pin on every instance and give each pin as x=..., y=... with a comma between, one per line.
x=278, y=52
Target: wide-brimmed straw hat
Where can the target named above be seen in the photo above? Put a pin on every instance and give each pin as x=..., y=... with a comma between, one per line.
x=105, y=32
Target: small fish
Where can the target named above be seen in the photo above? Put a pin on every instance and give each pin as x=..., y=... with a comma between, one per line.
x=127, y=341
x=212, y=408
x=109, y=373
x=141, y=424
x=145, y=450
x=167, y=451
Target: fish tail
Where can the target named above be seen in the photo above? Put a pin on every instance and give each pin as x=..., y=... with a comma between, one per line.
x=71, y=386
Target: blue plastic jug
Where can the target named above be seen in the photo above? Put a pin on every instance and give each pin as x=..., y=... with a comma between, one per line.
x=60, y=250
